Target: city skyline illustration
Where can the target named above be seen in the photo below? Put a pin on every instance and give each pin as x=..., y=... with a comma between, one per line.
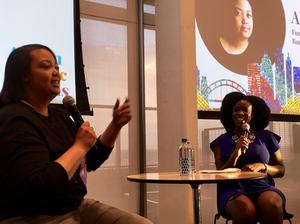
x=277, y=83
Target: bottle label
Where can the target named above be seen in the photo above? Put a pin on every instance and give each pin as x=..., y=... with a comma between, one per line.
x=184, y=166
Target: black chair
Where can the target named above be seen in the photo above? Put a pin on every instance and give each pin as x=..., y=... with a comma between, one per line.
x=286, y=216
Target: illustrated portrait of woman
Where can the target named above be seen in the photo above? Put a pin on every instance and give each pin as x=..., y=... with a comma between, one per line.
x=239, y=32
x=237, y=27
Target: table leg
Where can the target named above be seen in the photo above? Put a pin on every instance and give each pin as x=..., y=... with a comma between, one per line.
x=197, y=200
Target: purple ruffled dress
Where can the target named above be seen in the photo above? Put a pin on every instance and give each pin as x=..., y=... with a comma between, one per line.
x=265, y=144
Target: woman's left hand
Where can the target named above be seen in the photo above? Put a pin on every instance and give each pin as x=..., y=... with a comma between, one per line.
x=254, y=167
x=121, y=113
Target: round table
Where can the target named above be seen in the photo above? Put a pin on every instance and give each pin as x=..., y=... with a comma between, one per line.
x=195, y=181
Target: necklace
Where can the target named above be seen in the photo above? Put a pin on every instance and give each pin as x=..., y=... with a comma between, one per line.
x=235, y=137
x=25, y=102
x=42, y=112
x=251, y=136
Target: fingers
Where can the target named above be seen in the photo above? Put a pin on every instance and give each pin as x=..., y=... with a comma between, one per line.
x=117, y=103
x=121, y=113
x=253, y=167
x=86, y=135
x=87, y=127
x=124, y=108
x=244, y=142
x=125, y=105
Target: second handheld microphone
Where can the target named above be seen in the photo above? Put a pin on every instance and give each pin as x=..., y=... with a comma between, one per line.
x=245, y=133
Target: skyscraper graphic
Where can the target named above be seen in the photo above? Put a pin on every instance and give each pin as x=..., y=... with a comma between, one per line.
x=198, y=79
x=259, y=86
x=254, y=79
x=266, y=69
x=280, y=77
x=289, y=77
x=296, y=71
x=204, y=87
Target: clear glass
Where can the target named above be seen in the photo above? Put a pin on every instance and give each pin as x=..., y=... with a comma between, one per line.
x=115, y=3
x=114, y=169
x=119, y=155
x=150, y=68
x=104, y=46
x=151, y=140
x=149, y=9
x=105, y=57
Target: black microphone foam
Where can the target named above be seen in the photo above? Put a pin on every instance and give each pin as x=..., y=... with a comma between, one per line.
x=69, y=104
x=245, y=133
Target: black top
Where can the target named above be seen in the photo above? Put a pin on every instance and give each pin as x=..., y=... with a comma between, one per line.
x=31, y=181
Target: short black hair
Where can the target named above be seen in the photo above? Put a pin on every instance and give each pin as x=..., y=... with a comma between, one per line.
x=17, y=65
x=260, y=111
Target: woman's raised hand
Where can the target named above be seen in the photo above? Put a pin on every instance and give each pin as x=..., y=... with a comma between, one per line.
x=121, y=113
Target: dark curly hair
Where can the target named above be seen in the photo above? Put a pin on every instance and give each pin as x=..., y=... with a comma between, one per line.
x=260, y=111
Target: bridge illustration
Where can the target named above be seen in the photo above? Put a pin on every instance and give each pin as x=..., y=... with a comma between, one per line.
x=229, y=85
x=216, y=91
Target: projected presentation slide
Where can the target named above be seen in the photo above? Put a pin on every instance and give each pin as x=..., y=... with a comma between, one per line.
x=248, y=46
x=47, y=22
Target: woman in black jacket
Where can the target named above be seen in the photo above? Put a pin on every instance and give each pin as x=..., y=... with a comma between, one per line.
x=43, y=155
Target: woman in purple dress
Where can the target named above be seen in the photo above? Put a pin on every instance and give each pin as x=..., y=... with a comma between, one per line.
x=257, y=151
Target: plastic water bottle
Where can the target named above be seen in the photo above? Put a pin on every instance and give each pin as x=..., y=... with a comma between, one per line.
x=191, y=151
x=186, y=158
x=184, y=161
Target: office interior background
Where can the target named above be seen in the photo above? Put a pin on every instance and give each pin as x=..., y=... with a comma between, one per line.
x=158, y=76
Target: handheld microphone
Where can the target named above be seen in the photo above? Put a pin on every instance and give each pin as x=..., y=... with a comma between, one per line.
x=69, y=104
x=245, y=132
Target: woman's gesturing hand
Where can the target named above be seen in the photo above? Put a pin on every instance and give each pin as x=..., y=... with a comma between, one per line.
x=121, y=113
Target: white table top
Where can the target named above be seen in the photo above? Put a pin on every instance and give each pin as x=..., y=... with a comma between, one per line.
x=197, y=178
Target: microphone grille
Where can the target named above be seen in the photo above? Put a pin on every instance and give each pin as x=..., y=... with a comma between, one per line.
x=245, y=127
x=68, y=101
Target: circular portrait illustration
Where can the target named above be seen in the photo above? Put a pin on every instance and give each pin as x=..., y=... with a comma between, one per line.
x=240, y=32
